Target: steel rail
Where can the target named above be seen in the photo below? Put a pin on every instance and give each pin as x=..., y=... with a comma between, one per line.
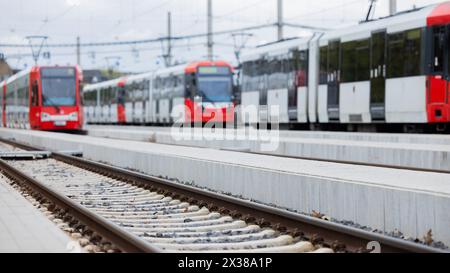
x=121, y=238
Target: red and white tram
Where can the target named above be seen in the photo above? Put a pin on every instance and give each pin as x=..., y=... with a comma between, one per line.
x=204, y=90
x=43, y=98
x=390, y=71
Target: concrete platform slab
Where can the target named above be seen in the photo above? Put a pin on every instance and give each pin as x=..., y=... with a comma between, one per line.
x=388, y=149
x=351, y=136
x=23, y=228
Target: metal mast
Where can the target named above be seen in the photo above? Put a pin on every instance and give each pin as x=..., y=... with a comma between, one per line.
x=280, y=22
x=392, y=7
x=210, y=43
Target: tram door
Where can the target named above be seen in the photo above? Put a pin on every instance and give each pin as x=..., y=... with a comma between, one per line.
x=378, y=76
x=333, y=78
x=439, y=65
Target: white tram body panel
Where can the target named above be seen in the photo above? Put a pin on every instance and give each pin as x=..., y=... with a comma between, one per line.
x=406, y=100
x=355, y=102
x=344, y=88
x=302, y=104
x=266, y=90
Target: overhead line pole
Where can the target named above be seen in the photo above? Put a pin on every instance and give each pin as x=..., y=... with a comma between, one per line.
x=78, y=51
x=210, y=43
x=169, y=38
x=392, y=7
x=168, y=55
x=280, y=22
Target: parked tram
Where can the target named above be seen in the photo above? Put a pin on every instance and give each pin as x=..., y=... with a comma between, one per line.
x=394, y=71
x=43, y=98
x=201, y=92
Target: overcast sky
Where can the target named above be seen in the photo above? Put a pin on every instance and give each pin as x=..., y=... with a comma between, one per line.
x=120, y=20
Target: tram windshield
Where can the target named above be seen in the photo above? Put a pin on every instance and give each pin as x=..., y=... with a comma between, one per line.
x=215, y=84
x=58, y=87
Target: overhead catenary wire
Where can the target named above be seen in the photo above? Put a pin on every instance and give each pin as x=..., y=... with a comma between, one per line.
x=157, y=40
x=89, y=53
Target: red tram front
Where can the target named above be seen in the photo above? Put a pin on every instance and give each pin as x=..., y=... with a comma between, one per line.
x=43, y=98
x=209, y=92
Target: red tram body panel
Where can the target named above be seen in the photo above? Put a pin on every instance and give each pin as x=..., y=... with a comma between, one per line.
x=438, y=107
x=43, y=98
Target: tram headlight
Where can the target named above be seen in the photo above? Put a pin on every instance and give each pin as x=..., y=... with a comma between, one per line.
x=45, y=117
x=73, y=116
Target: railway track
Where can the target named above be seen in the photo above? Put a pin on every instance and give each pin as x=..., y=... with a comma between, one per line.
x=132, y=212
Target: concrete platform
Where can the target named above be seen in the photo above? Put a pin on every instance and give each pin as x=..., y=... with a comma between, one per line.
x=401, y=150
x=25, y=229
x=351, y=136
x=382, y=198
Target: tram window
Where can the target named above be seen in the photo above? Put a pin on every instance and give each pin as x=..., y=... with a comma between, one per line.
x=404, y=53
x=166, y=85
x=130, y=90
x=93, y=97
x=413, y=50
x=355, y=61
x=191, y=85
x=256, y=74
x=89, y=98
x=362, y=55
x=162, y=85
x=86, y=100
x=146, y=89
x=23, y=95
x=101, y=95
x=104, y=96
x=395, y=62
x=333, y=61
x=20, y=96
x=275, y=71
x=84, y=97
x=247, y=76
x=8, y=98
x=180, y=86
x=110, y=96
x=129, y=93
x=35, y=94
x=348, y=62
x=262, y=68
x=323, y=64
x=438, y=49
x=302, y=68
x=159, y=84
